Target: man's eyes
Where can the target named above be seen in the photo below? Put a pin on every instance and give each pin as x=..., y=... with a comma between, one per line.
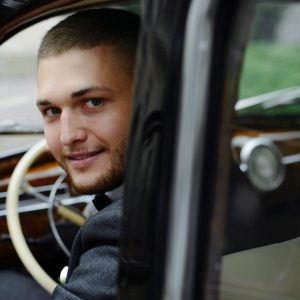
x=52, y=112
x=94, y=103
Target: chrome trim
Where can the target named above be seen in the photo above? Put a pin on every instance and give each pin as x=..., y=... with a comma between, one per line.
x=38, y=189
x=33, y=205
x=8, y=153
x=269, y=100
x=245, y=160
x=291, y=159
x=197, y=52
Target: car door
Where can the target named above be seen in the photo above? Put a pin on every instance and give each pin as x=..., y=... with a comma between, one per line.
x=203, y=219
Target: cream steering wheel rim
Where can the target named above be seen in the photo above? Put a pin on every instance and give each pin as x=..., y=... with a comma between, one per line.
x=13, y=220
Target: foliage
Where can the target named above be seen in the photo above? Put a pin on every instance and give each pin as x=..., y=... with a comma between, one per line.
x=269, y=67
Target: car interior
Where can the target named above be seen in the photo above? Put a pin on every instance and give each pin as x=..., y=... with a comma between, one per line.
x=40, y=212
x=262, y=227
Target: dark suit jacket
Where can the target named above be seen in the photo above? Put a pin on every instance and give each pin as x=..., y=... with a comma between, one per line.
x=94, y=262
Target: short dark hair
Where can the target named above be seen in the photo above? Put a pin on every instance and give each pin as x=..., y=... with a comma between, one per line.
x=91, y=28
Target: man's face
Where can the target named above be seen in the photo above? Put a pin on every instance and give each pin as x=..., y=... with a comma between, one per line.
x=85, y=99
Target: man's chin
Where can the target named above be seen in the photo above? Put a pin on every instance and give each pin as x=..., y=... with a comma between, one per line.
x=97, y=185
x=82, y=183
x=93, y=181
x=85, y=187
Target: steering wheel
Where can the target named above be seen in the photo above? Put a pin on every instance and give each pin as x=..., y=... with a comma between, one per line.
x=13, y=219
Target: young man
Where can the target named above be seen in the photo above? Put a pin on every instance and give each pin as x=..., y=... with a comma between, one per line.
x=85, y=77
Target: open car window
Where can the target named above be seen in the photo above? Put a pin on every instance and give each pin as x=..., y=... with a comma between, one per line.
x=20, y=121
x=40, y=194
x=20, y=128
x=18, y=80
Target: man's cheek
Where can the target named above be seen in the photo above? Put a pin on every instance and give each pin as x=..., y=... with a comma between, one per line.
x=53, y=143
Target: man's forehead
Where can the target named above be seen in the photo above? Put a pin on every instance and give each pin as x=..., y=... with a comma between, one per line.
x=76, y=69
x=78, y=72
x=94, y=59
x=101, y=56
x=102, y=50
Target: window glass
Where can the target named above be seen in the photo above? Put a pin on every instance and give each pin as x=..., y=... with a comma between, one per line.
x=270, y=81
x=18, y=78
x=262, y=245
x=20, y=121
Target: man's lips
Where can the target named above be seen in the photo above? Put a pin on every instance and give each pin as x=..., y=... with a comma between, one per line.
x=82, y=155
x=82, y=160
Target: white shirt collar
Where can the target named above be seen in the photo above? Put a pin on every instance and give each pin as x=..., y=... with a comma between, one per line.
x=116, y=194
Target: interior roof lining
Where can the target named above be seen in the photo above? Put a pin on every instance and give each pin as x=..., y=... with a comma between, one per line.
x=25, y=18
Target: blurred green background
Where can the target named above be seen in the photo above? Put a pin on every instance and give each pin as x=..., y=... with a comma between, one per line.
x=269, y=67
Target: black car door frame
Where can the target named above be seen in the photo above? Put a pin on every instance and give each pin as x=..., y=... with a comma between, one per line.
x=179, y=152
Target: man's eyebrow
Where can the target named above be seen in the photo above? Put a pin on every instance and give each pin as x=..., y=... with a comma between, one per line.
x=84, y=91
x=79, y=93
x=41, y=102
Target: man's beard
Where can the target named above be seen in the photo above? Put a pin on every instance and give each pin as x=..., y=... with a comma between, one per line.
x=111, y=179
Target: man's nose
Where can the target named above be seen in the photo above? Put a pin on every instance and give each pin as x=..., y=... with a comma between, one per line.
x=71, y=129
